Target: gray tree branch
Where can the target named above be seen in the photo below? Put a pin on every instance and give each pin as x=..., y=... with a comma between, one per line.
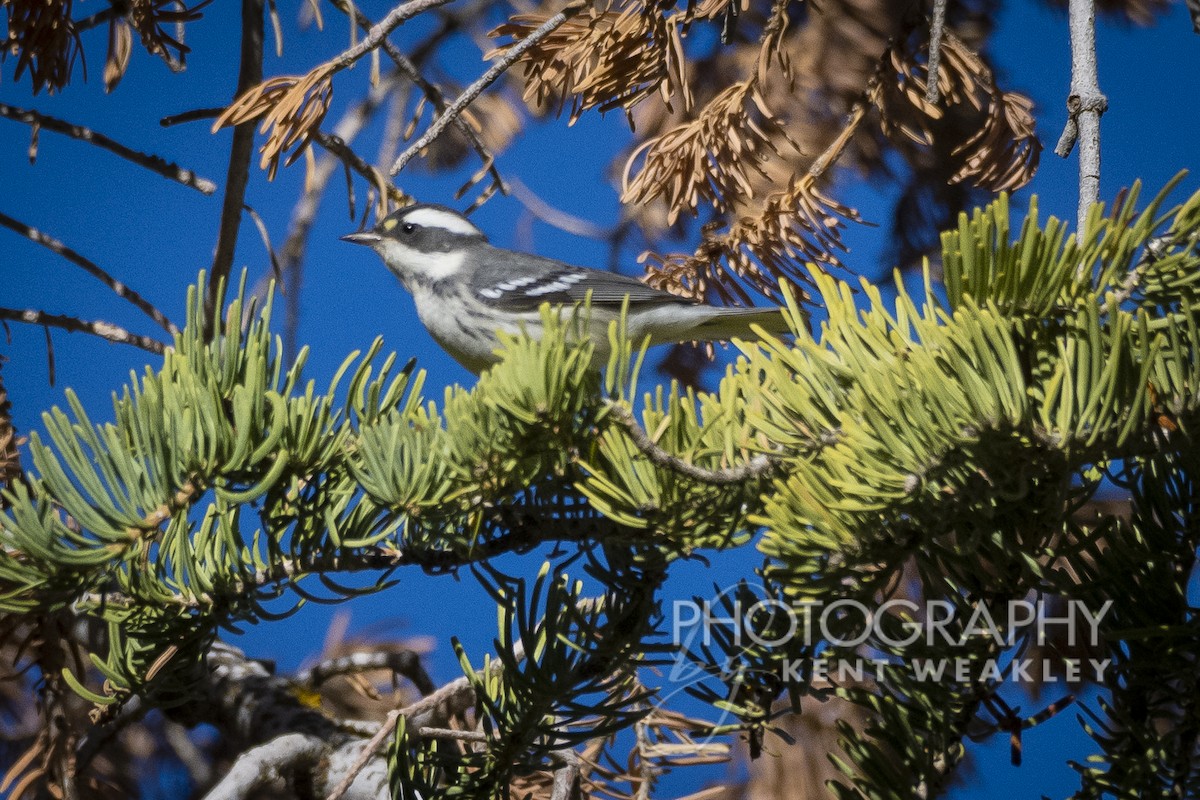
x=1084, y=105
x=151, y=162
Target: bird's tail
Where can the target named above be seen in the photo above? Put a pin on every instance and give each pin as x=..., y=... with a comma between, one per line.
x=736, y=323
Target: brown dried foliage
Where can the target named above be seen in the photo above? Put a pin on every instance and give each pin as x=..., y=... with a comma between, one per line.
x=44, y=40
x=709, y=159
x=796, y=225
x=120, y=48
x=292, y=109
x=148, y=18
x=1001, y=150
x=604, y=60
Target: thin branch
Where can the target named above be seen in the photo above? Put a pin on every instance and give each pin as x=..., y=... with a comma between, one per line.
x=379, y=33
x=456, y=696
x=351, y=159
x=557, y=217
x=937, y=27
x=1084, y=105
x=478, y=737
x=834, y=151
x=195, y=115
x=455, y=109
x=757, y=467
x=151, y=162
x=118, y=288
x=403, y=662
x=366, y=754
x=409, y=69
x=105, y=330
x=238, y=173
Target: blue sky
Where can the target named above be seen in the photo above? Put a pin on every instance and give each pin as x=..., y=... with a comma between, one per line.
x=156, y=236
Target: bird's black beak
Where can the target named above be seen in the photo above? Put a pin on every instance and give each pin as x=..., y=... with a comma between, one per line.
x=362, y=237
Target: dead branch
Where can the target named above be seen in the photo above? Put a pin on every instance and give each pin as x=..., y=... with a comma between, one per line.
x=402, y=662
x=379, y=32
x=510, y=57
x=105, y=330
x=433, y=94
x=238, y=173
x=151, y=162
x=118, y=288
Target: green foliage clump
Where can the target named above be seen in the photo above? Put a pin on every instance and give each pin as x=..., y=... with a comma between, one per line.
x=945, y=440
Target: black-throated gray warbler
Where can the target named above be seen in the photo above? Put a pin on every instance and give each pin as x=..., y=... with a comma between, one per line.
x=466, y=290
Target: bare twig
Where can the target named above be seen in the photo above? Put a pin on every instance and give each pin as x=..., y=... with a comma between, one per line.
x=937, y=26
x=118, y=288
x=455, y=109
x=91, y=21
x=478, y=737
x=402, y=662
x=105, y=330
x=351, y=159
x=265, y=235
x=456, y=695
x=757, y=467
x=195, y=115
x=557, y=217
x=366, y=754
x=408, y=68
x=238, y=174
x=834, y=151
x=1084, y=105
x=379, y=32
x=151, y=162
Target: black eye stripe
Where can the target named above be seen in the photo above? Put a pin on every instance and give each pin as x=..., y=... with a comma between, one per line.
x=408, y=227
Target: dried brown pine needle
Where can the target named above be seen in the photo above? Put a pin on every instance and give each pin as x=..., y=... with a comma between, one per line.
x=604, y=60
x=291, y=109
x=120, y=48
x=708, y=159
x=148, y=18
x=1004, y=154
x=793, y=226
x=996, y=148
x=44, y=40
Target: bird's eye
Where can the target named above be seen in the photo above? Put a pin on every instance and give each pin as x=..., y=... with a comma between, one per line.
x=408, y=228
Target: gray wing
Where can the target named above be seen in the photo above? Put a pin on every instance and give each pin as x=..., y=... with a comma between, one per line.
x=517, y=282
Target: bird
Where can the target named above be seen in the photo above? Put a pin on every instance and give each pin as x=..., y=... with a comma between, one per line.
x=466, y=291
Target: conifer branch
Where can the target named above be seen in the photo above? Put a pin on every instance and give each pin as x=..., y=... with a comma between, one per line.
x=758, y=467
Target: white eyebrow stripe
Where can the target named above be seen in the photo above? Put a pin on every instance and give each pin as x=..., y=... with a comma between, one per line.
x=446, y=220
